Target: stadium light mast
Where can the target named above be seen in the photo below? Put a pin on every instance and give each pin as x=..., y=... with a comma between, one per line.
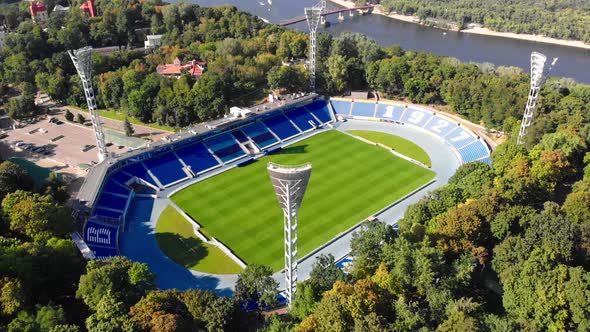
x=290, y=183
x=82, y=59
x=313, y=16
x=538, y=78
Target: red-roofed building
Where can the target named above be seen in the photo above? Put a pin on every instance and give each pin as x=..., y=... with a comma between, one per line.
x=88, y=8
x=193, y=67
x=38, y=12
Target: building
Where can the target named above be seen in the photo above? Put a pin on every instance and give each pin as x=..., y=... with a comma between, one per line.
x=153, y=41
x=193, y=67
x=88, y=8
x=38, y=12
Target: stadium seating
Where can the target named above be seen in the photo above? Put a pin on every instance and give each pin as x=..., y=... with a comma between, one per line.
x=111, y=201
x=365, y=109
x=259, y=134
x=341, y=106
x=473, y=151
x=390, y=112
x=416, y=117
x=100, y=234
x=301, y=117
x=225, y=147
x=239, y=135
x=281, y=126
x=108, y=213
x=320, y=110
x=139, y=171
x=197, y=157
x=459, y=137
x=121, y=177
x=487, y=160
x=101, y=238
x=114, y=187
x=167, y=168
x=440, y=126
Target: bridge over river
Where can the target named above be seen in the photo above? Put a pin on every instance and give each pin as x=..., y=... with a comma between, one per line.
x=361, y=9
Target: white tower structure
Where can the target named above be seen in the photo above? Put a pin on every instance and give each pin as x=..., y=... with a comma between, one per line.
x=289, y=183
x=313, y=16
x=538, y=77
x=82, y=59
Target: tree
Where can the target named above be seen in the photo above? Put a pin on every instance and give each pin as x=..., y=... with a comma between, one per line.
x=161, y=311
x=80, y=118
x=12, y=178
x=69, y=116
x=577, y=207
x=56, y=187
x=367, y=247
x=12, y=297
x=129, y=130
x=21, y=107
x=36, y=217
x=110, y=316
x=256, y=284
x=125, y=280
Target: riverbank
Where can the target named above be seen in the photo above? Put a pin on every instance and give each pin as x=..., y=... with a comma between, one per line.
x=478, y=30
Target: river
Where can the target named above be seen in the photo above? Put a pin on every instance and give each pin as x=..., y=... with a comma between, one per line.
x=573, y=62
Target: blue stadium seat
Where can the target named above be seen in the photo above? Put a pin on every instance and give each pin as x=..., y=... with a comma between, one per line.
x=341, y=106
x=100, y=234
x=440, y=126
x=281, y=126
x=320, y=110
x=167, y=168
x=103, y=253
x=389, y=112
x=416, y=117
x=121, y=177
x=107, y=213
x=139, y=171
x=301, y=117
x=487, y=160
x=197, y=157
x=459, y=138
x=260, y=134
x=111, y=201
x=363, y=109
x=239, y=135
x=473, y=152
x=114, y=187
x=225, y=147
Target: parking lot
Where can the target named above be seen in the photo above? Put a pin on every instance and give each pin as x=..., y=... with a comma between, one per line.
x=68, y=144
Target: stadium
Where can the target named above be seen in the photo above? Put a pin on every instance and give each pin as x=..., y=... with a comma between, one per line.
x=199, y=206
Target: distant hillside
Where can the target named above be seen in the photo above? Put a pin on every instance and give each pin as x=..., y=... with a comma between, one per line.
x=564, y=19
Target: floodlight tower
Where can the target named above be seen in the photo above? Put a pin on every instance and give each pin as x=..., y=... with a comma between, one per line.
x=82, y=59
x=289, y=183
x=313, y=16
x=538, y=78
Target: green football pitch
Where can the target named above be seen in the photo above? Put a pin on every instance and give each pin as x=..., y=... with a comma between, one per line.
x=350, y=181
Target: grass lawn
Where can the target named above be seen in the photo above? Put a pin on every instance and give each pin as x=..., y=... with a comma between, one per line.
x=350, y=180
x=401, y=145
x=176, y=239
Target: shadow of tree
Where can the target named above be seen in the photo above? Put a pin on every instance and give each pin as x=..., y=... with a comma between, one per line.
x=186, y=251
x=294, y=149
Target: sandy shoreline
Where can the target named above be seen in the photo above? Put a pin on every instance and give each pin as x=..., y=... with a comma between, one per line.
x=481, y=31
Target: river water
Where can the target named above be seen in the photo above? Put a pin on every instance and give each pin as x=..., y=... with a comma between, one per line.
x=573, y=62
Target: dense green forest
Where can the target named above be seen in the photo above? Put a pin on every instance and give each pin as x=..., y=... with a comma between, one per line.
x=564, y=19
x=499, y=248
